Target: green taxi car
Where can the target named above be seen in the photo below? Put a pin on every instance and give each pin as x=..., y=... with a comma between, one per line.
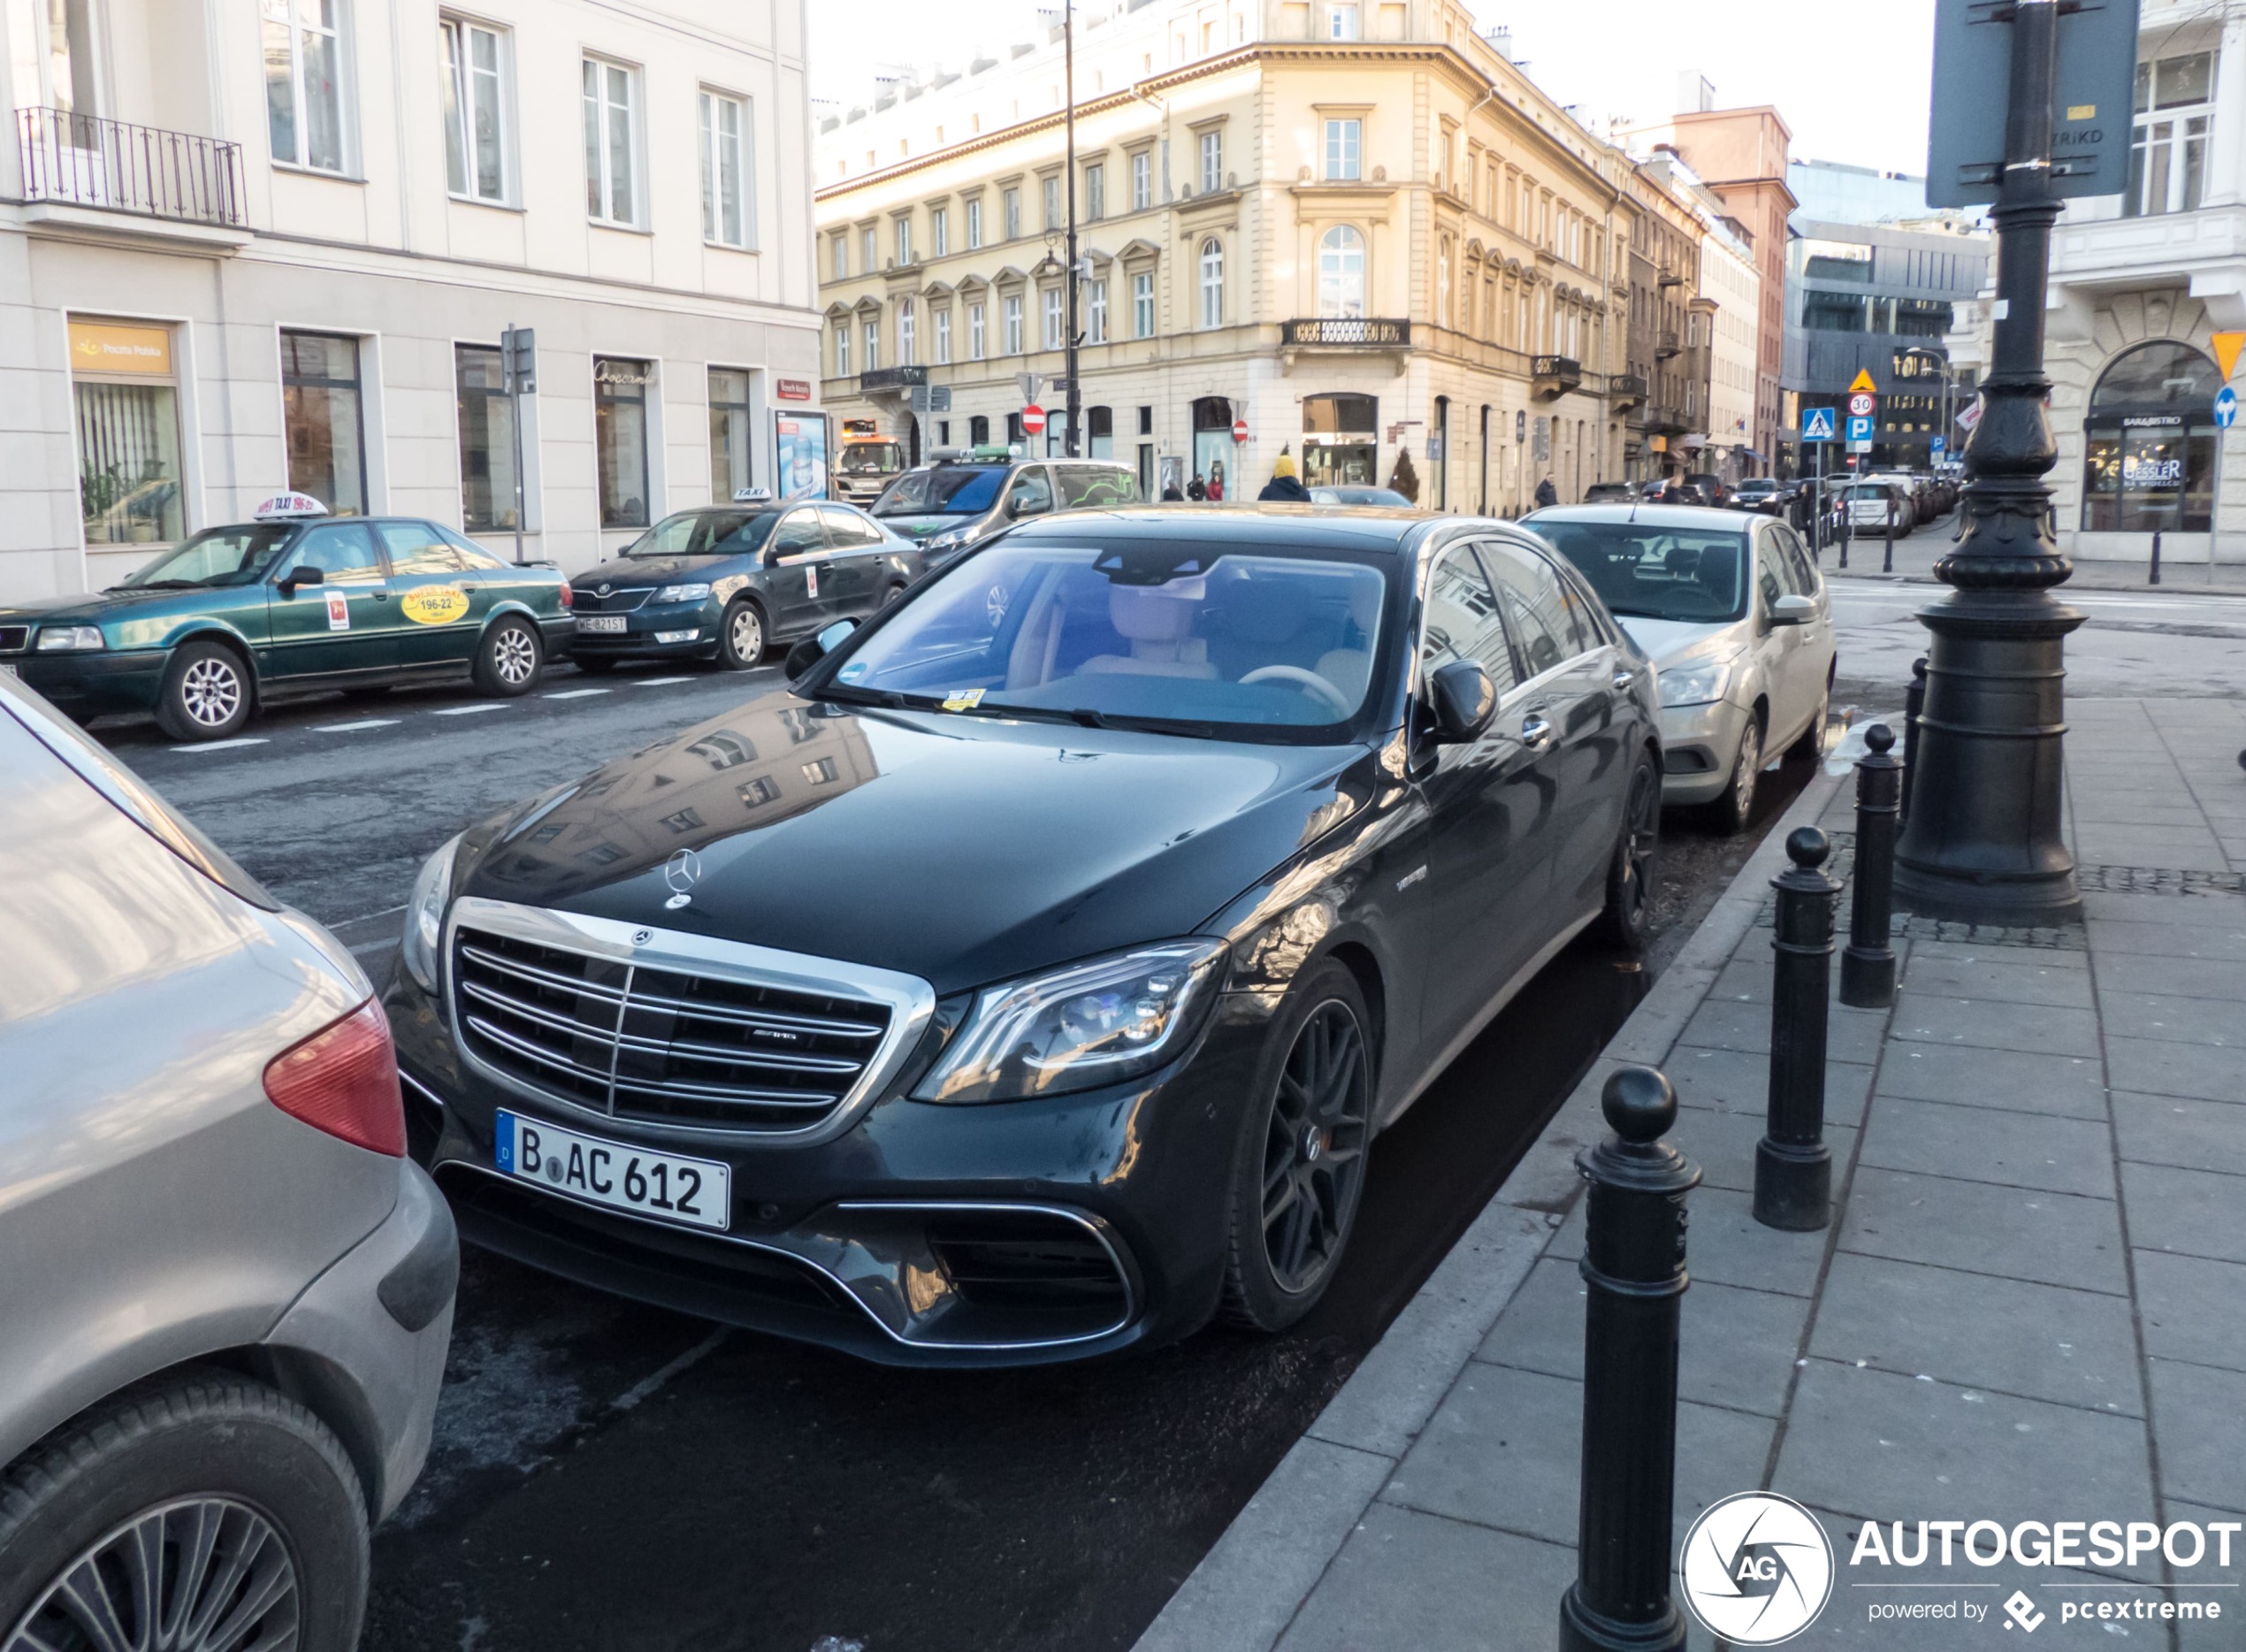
x=235, y=616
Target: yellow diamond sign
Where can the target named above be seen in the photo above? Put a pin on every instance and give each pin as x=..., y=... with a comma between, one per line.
x=1862, y=381
x=2226, y=348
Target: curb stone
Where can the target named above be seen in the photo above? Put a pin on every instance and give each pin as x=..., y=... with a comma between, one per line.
x=1248, y=1588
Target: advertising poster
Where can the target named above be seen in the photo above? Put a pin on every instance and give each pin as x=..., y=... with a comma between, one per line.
x=799, y=455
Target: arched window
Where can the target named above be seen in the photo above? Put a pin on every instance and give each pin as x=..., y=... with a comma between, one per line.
x=1213, y=283
x=1340, y=272
x=2148, y=442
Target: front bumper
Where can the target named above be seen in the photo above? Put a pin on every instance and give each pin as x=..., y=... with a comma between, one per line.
x=383, y=1315
x=1016, y=1233
x=645, y=626
x=98, y=680
x=1699, y=743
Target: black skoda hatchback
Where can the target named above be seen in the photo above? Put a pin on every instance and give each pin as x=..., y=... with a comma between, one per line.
x=1031, y=979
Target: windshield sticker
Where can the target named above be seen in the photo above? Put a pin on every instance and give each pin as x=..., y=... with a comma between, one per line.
x=338, y=611
x=963, y=700
x=854, y=672
x=434, y=605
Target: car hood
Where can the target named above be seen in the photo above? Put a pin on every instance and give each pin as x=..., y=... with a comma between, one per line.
x=93, y=609
x=1670, y=642
x=962, y=850
x=630, y=572
x=916, y=528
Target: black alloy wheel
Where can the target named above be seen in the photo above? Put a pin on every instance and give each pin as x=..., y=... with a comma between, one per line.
x=1304, y=1169
x=1627, y=921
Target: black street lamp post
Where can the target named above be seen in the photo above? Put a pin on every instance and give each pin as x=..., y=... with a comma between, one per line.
x=1982, y=840
x=1073, y=441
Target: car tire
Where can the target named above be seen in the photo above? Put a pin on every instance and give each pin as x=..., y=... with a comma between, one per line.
x=1626, y=922
x=891, y=592
x=1315, y=1085
x=1736, y=807
x=741, y=636
x=207, y=693
x=1810, y=747
x=510, y=658
x=168, y=1462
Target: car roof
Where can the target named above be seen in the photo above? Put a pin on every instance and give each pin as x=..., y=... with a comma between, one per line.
x=1249, y=522
x=1706, y=518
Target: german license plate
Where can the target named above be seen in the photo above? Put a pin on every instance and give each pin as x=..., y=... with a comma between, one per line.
x=601, y=624
x=697, y=1192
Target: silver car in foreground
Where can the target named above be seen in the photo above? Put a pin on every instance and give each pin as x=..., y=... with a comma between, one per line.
x=1734, y=617
x=226, y=1293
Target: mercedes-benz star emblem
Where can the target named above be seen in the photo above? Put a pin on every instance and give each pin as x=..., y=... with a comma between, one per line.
x=641, y=938
x=681, y=872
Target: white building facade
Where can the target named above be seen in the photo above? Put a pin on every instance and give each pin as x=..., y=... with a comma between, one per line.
x=2140, y=285
x=253, y=245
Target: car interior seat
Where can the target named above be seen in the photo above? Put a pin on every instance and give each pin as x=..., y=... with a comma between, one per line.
x=1158, y=623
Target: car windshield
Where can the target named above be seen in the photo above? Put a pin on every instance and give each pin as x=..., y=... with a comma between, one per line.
x=705, y=533
x=863, y=458
x=1758, y=485
x=943, y=490
x=1358, y=496
x=1276, y=645
x=1657, y=573
x=217, y=557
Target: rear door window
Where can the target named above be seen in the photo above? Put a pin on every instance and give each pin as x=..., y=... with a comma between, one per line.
x=1093, y=485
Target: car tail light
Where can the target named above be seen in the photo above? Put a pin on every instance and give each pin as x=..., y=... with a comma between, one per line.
x=568, y=599
x=344, y=1080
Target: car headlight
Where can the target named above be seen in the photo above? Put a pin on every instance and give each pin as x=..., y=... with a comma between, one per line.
x=1095, y=1023
x=683, y=594
x=945, y=541
x=1695, y=684
x=69, y=638
x=426, y=916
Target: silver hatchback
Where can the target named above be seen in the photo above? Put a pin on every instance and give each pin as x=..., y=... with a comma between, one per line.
x=228, y=1293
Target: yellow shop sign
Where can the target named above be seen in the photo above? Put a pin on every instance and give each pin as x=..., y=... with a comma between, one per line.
x=114, y=346
x=434, y=605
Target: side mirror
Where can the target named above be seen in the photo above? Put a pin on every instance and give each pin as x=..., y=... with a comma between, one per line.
x=813, y=649
x=1016, y=504
x=305, y=575
x=1792, y=609
x=1463, y=702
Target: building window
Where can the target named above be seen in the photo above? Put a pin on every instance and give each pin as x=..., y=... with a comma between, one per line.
x=1055, y=317
x=904, y=242
x=944, y=337
x=1212, y=161
x=939, y=231
x=2148, y=442
x=842, y=349
x=1213, y=283
x=129, y=433
x=1050, y=188
x=870, y=336
x=974, y=222
x=1343, y=142
x=976, y=341
x=842, y=256
x=320, y=412
x=978, y=429
x=1010, y=314
x=731, y=432
x=1012, y=204
x=475, y=111
x=1142, y=304
x=906, y=356
x=1340, y=272
x=1442, y=283
x=611, y=144
x=486, y=416
x=1094, y=192
x=1096, y=311
x=869, y=252
x=1341, y=22
x=304, y=69
x=620, y=439
x=1142, y=181
x=2168, y=146
x=726, y=217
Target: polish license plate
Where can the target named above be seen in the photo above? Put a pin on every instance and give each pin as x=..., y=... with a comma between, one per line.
x=601, y=624
x=697, y=1192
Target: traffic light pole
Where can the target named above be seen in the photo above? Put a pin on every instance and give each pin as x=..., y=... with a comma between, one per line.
x=1983, y=841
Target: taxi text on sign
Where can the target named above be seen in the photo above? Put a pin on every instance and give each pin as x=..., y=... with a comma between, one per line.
x=2091, y=105
x=110, y=347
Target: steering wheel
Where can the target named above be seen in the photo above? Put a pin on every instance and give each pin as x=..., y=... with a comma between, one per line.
x=1309, y=682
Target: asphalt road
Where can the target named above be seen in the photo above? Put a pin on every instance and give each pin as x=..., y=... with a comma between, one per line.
x=606, y=1475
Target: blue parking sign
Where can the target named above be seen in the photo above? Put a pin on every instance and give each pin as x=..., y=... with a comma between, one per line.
x=1860, y=426
x=1816, y=424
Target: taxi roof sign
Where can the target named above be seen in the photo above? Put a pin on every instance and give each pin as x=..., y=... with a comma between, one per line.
x=751, y=495
x=1862, y=381
x=289, y=508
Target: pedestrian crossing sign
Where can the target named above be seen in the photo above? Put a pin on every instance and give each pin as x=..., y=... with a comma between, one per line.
x=1816, y=424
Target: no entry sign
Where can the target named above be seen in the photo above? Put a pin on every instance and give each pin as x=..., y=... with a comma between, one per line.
x=1240, y=430
x=1033, y=419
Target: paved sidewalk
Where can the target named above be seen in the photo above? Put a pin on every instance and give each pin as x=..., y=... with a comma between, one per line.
x=2031, y=1303
x=1916, y=554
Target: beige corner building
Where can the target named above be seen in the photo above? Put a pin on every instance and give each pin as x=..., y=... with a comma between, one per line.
x=1354, y=227
x=252, y=245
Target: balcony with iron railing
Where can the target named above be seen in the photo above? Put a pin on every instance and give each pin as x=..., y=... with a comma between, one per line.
x=1666, y=344
x=109, y=165
x=1347, y=333
x=1554, y=375
x=1626, y=390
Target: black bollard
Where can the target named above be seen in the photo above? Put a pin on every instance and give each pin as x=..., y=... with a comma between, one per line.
x=1847, y=528
x=1633, y=1261
x=1887, y=558
x=2156, y=556
x=1793, y=1168
x=1868, y=962
x=1914, y=703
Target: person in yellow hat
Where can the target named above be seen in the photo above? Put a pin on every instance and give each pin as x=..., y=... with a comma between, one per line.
x=1284, y=485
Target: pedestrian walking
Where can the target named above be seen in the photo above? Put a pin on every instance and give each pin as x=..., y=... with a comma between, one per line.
x=1671, y=494
x=1217, y=479
x=1197, y=490
x=1171, y=492
x=1404, y=479
x=1284, y=485
x=1547, y=495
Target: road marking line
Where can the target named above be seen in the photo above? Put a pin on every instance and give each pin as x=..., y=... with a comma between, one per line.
x=468, y=711
x=353, y=728
x=576, y=693
x=225, y=746
x=647, y=1385
x=658, y=682
x=364, y=947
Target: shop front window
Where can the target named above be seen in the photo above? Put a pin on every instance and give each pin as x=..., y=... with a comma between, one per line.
x=619, y=432
x=1341, y=440
x=486, y=440
x=730, y=433
x=128, y=409
x=2149, y=447
x=320, y=407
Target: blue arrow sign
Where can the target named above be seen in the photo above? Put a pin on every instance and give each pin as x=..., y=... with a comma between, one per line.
x=2225, y=406
x=1816, y=424
x=1860, y=426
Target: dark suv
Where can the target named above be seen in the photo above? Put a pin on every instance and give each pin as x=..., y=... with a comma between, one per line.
x=952, y=505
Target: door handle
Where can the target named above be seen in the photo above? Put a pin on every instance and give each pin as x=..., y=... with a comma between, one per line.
x=1623, y=680
x=381, y=596
x=1536, y=733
